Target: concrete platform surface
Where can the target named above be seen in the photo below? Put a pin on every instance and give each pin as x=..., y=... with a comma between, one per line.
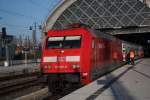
x=126, y=83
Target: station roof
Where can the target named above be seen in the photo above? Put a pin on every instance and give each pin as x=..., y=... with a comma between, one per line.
x=99, y=14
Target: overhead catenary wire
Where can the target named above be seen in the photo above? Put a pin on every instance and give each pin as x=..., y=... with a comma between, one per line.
x=17, y=14
x=39, y=5
x=48, y=8
x=14, y=26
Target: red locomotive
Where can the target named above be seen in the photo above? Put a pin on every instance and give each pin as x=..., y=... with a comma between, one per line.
x=79, y=55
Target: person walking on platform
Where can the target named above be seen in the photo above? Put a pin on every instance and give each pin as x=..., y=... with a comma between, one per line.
x=128, y=58
x=132, y=54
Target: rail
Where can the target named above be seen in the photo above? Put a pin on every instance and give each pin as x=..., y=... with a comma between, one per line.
x=15, y=84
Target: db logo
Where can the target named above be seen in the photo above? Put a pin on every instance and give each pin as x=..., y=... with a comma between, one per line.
x=61, y=59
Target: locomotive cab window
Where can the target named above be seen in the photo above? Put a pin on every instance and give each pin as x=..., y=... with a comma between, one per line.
x=54, y=42
x=72, y=42
x=63, y=42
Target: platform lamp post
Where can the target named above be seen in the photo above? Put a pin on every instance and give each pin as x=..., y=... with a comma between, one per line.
x=34, y=41
x=5, y=44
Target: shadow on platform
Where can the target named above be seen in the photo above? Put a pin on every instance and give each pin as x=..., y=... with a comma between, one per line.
x=141, y=73
x=119, y=92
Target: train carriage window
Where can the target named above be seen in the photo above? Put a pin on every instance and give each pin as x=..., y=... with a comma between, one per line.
x=63, y=42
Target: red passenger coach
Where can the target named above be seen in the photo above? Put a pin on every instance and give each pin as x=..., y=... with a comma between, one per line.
x=79, y=55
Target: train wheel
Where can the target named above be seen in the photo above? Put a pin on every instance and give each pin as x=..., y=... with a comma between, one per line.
x=55, y=83
x=51, y=80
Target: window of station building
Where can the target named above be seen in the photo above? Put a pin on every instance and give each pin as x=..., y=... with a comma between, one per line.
x=63, y=42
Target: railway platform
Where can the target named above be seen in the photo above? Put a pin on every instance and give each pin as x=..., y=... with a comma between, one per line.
x=130, y=82
x=19, y=69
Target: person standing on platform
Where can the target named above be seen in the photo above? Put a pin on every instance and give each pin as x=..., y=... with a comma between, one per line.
x=132, y=55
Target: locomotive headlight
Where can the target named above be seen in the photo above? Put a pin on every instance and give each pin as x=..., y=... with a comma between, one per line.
x=84, y=74
x=74, y=66
x=47, y=66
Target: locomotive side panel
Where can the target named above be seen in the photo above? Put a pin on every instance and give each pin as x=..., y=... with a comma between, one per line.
x=97, y=57
x=106, y=54
x=86, y=55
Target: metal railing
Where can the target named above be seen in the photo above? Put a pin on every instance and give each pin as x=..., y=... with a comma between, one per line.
x=18, y=62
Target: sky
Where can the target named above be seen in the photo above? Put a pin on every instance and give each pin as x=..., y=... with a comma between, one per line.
x=18, y=15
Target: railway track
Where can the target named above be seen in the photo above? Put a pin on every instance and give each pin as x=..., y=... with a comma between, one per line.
x=43, y=94
x=13, y=83
x=61, y=93
x=18, y=76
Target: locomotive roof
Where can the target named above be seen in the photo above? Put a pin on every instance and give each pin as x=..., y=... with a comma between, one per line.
x=93, y=32
x=104, y=35
x=65, y=30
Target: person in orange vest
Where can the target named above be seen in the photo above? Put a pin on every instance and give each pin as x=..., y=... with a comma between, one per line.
x=132, y=54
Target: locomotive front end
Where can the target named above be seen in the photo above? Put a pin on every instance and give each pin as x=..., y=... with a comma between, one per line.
x=61, y=54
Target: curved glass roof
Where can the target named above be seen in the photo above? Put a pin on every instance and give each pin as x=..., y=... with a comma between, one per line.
x=105, y=14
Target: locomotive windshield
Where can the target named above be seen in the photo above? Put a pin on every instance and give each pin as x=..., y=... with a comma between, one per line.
x=63, y=42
